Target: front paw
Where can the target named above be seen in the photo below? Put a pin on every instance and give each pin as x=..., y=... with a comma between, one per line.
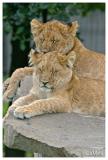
x=26, y=112
x=12, y=109
x=22, y=113
x=8, y=97
x=5, y=85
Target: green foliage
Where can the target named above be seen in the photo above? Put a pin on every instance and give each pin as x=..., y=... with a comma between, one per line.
x=5, y=108
x=17, y=16
x=29, y=154
x=5, y=104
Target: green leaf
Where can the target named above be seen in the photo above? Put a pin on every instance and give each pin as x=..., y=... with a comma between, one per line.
x=22, y=45
x=20, y=30
x=5, y=108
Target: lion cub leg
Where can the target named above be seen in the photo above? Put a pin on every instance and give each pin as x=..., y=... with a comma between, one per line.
x=42, y=106
x=25, y=100
x=11, y=85
x=6, y=84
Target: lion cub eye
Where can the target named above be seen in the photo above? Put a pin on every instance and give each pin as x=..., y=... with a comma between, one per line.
x=42, y=39
x=53, y=40
x=67, y=66
x=56, y=71
x=40, y=70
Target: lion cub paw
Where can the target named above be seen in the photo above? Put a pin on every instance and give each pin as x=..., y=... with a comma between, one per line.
x=7, y=97
x=25, y=112
x=21, y=113
x=12, y=109
x=6, y=84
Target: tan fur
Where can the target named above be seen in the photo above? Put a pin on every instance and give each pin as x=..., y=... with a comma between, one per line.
x=11, y=84
x=53, y=36
x=64, y=92
x=56, y=36
x=89, y=65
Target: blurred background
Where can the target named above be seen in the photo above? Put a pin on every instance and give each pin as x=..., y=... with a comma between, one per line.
x=17, y=37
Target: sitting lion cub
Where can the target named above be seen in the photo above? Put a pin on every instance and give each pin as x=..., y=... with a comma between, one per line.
x=55, y=88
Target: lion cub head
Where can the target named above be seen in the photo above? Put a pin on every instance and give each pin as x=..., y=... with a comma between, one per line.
x=54, y=35
x=52, y=70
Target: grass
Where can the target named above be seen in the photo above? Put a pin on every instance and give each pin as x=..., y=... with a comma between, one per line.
x=5, y=108
x=5, y=104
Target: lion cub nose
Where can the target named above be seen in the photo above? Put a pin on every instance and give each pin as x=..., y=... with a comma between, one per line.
x=44, y=82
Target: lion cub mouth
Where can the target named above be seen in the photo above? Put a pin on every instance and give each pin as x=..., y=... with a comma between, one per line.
x=46, y=88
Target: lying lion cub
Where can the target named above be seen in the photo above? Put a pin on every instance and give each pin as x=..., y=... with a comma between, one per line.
x=56, y=88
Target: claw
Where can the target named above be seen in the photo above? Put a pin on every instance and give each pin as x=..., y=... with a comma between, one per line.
x=7, y=98
x=18, y=115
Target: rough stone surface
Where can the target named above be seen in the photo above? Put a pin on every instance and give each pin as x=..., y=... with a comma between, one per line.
x=25, y=86
x=56, y=135
x=61, y=134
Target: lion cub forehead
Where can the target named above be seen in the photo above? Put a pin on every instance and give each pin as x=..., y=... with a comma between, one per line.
x=53, y=25
x=49, y=62
x=50, y=57
x=54, y=22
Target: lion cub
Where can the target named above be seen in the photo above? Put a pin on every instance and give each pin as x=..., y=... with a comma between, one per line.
x=55, y=88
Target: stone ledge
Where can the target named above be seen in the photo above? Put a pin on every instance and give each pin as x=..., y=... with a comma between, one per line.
x=57, y=135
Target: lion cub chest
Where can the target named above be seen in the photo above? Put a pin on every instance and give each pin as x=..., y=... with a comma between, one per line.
x=41, y=94
x=44, y=94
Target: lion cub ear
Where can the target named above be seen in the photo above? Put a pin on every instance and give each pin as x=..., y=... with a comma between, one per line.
x=34, y=57
x=67, y=60
x=36, y=26
x=71, y=57
x=73, y=28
